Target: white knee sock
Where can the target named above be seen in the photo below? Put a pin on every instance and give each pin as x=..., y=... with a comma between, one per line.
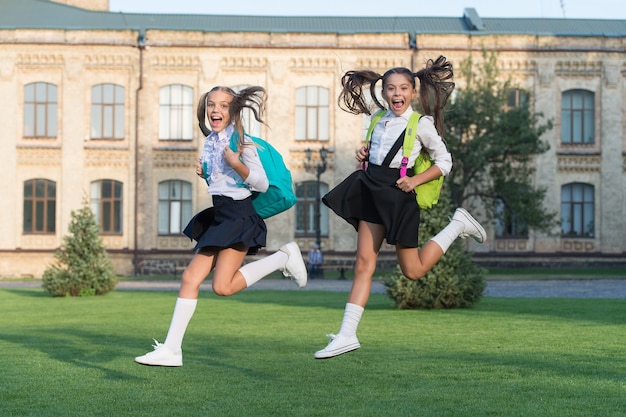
x=254, y=271
x=183, y=311
x=351, y=319
x=449, y=234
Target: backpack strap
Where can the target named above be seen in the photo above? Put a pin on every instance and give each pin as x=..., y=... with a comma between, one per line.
x=373, y=122
x=409, y=140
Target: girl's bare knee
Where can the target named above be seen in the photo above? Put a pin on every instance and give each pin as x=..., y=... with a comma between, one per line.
x=413, y=274
x=188, y=282
x=222, y=290
x=364, y=267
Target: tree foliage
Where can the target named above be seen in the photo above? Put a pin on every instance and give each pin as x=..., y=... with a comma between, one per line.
x=82, y=266
x=494, y=146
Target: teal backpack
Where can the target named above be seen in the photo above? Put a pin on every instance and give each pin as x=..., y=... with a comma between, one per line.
x=279, y=196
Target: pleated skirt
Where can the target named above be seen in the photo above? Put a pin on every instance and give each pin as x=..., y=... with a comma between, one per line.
x=372, y=196
x=227, y=224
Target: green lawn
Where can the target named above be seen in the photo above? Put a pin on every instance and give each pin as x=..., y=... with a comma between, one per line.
x=252, y=355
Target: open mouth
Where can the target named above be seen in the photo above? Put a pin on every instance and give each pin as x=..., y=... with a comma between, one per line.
x=397, y=104
x=215, y=120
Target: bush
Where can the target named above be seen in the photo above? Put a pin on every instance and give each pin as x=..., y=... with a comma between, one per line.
x=82, y=267
x=454, y=282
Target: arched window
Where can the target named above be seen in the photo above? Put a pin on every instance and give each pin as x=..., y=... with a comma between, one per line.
x=107, y=111
x=40, y=110
x=175, y=209
x=577, y=117
x=312, y=113
x=306, y=209
x=176, y=112
x=577, y=210
x=39, y=206
x=106, y=204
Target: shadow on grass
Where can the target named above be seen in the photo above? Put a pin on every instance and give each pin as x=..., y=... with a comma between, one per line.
x=101, y=352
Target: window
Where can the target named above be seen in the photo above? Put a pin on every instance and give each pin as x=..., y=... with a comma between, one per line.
x=312, y=113
x=176, y=112
x=516, y=98
x=106, y=204
x=107, y=111
x=577, y=117
x=305, y=209
x=40, y=110
x=174, y=206
x=39, y=206
x=508, y=224
x=577, y=210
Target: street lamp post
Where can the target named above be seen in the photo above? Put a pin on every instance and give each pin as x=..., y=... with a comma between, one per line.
x=319, y=170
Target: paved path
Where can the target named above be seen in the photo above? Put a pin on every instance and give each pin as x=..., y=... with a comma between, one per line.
x=562, y=287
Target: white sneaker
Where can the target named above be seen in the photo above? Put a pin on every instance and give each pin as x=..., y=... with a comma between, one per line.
x=472, y=227
x=295, y=268
x=338, y=344
x=161, y=356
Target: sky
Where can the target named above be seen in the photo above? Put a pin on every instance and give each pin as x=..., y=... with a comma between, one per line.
x=573, y=9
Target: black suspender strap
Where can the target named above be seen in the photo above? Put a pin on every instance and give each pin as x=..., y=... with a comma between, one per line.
x=394, y=150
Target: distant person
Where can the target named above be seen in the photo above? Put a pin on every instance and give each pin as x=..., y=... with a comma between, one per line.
x=377, y=201
x=315, y=260
x=231, y=228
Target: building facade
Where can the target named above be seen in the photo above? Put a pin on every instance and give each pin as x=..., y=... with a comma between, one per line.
x=99, y=107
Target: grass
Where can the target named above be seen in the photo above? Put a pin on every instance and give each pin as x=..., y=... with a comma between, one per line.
x=252, y=355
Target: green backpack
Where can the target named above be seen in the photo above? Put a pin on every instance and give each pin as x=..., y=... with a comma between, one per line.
x=426, y=194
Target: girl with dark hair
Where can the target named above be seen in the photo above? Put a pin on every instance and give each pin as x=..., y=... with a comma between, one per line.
x=231, y=228
x=377, y=201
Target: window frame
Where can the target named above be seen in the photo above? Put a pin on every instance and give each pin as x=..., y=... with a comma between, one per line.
x=113, y=205
x=312, y=110
x=576, y=213
x=108, y=112
x=507, y=224
x=167, y=207
x=37, y=107
x=577, y=120
x=41, y=209
x=176, y=114
x=306, y=207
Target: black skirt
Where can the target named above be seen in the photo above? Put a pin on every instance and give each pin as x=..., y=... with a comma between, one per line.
x=227, y=224
x=372, y=196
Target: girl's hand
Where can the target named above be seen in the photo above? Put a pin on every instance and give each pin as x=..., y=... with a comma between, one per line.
x=232, y=158
x=199, y=167
x=361, y=154
x=406, y=184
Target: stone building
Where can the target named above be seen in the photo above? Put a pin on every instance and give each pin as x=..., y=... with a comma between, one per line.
x=100, y=107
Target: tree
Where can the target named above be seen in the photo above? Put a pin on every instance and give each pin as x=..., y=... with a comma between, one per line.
x=82, y=267
x=494, y=146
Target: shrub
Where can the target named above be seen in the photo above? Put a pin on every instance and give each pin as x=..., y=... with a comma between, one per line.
x=82, y=267
x=454, y=282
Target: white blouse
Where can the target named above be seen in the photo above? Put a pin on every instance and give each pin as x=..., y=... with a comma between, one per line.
x=223, y=179
x=391, y=126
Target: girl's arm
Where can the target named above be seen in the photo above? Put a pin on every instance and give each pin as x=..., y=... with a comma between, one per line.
x=247, y=164
x=428, y=139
